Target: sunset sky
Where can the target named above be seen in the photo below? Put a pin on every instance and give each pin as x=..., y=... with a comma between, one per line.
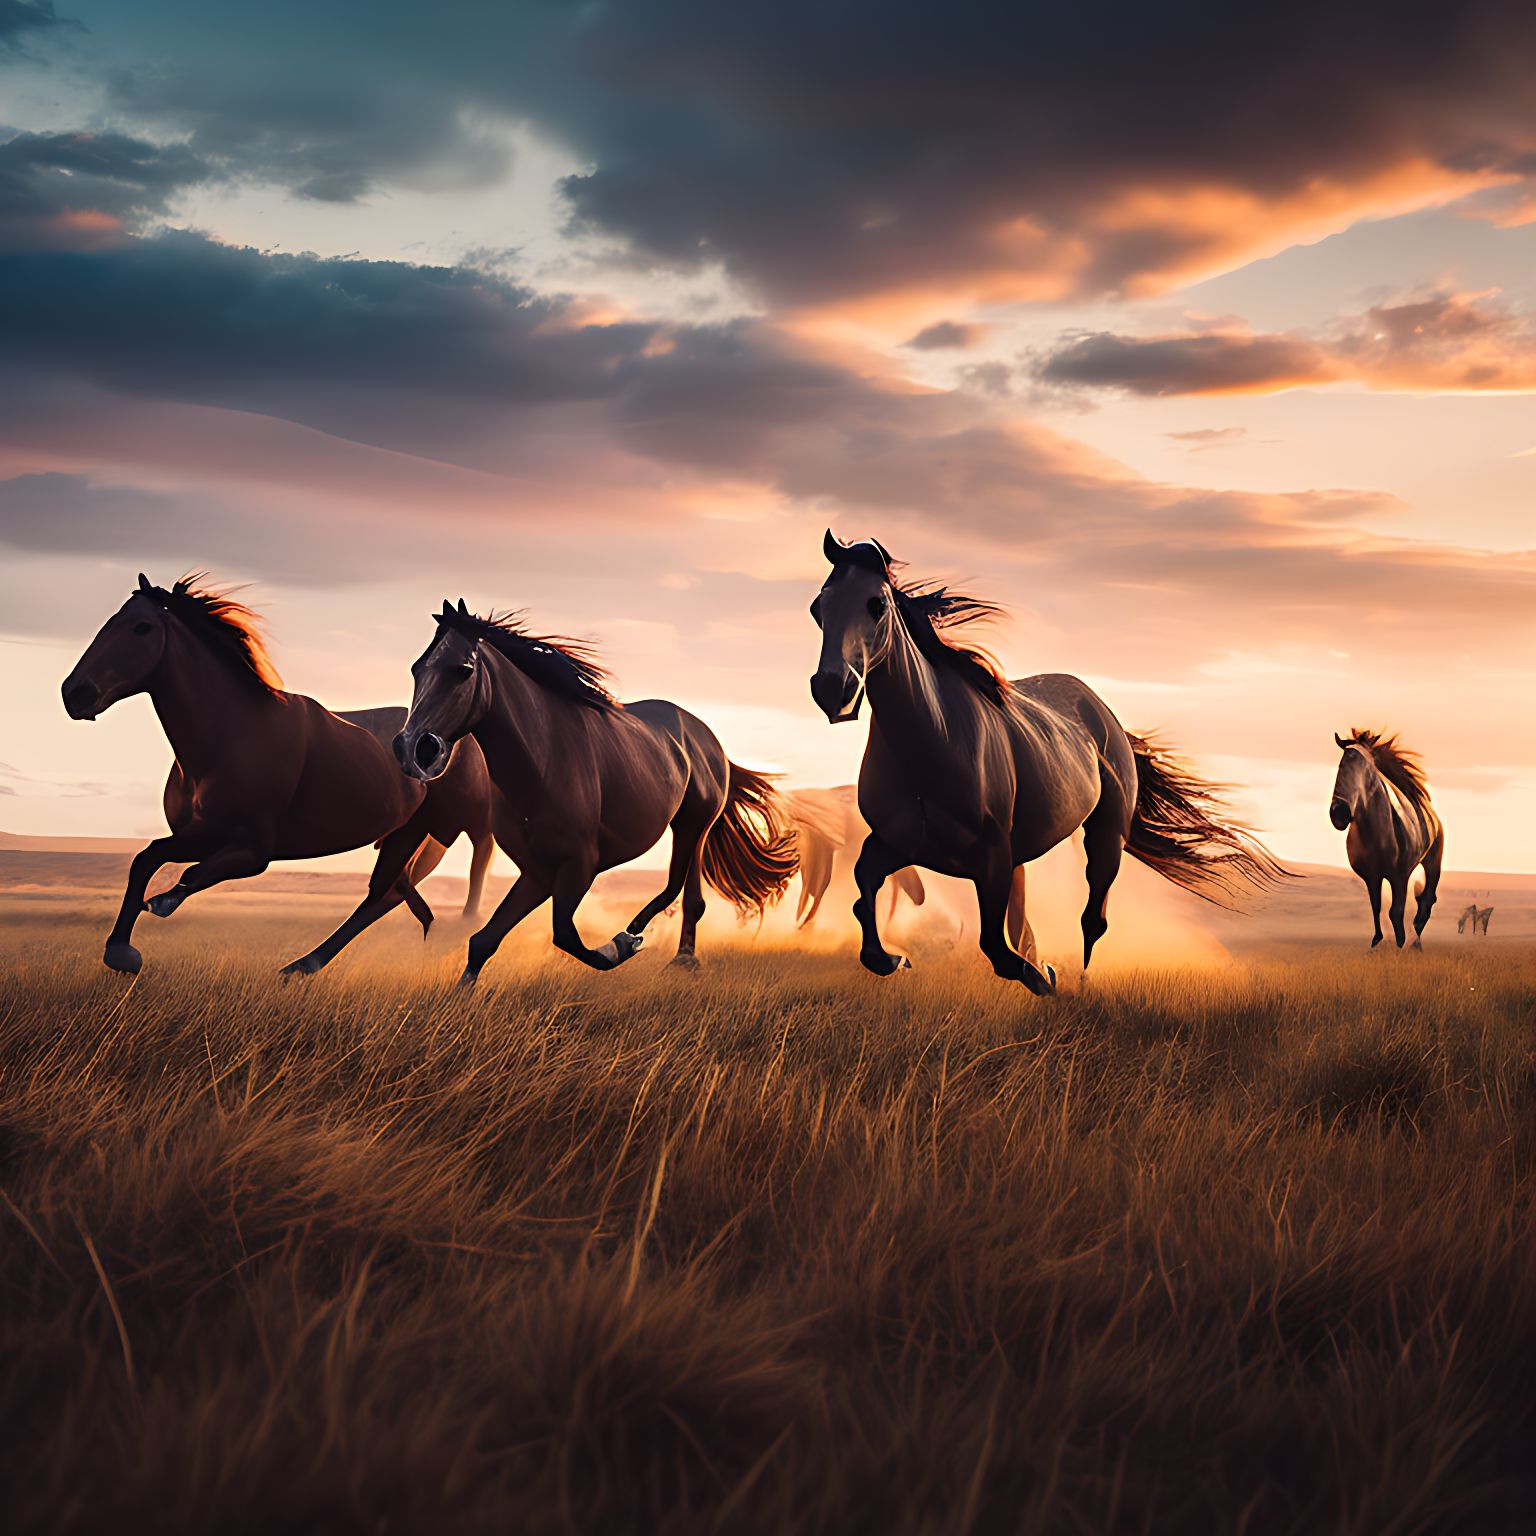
x=1206, y=343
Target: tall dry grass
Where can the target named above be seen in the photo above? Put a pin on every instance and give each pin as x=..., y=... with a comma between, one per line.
x=779, y=1247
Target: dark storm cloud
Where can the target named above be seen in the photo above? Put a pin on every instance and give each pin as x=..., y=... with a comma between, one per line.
x=18, y=17
x=69, y=190
x=827, y=151
x=182, y=318
x=1183, y=365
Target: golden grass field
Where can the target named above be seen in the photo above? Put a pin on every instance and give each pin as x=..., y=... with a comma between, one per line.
x=1244, y=1247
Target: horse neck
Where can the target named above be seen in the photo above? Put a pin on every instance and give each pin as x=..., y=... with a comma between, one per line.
x=1377, y=804
x=518, y=729
x=906, y=699
x=205, y=711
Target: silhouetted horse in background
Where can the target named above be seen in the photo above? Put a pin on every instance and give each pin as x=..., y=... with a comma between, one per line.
x=261, y=774
x=1381, y=798
x=827, y=828
x=587, y=783
x=970, y=775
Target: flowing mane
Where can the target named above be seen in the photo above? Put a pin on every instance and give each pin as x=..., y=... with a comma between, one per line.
x=928, y=609
x=1394, y=762
x=227, y=626
x=564, y=666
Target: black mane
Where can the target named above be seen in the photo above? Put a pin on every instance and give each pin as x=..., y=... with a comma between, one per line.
x=564, y=666
x=225, y=625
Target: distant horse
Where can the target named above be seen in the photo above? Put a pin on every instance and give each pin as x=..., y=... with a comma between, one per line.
x=261, y=774
x=826, y=822
x=974, y=776
x=1477, y=916
x=1381, y=799
x=588, y=783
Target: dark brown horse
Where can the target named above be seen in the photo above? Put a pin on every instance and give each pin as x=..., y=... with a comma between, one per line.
x=261, y=774
x=970, y=775
x=587, y=783
x=1381, y=798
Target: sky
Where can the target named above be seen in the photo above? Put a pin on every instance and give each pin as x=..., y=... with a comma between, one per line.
x=1203, y=339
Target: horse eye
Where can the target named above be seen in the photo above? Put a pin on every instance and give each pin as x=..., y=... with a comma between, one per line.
x=464, y=671
x=142, y=629
x=816, y=611
x=877, y=607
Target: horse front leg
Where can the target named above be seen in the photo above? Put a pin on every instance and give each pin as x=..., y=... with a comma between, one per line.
x=876, y=863
x=387, y=887
x=528, y=893
x=572, y=882
x=119, y=952
x=998, y=890
x=239, y=860
x=1373, y=895
x=1398, y=910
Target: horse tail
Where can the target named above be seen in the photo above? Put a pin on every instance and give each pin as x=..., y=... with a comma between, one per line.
x=1181, y=828
x=749, y=855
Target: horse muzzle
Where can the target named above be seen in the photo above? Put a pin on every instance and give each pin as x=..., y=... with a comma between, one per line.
x=425, y=758
x=82, y=700
x=1340, y=814
x=838, y=695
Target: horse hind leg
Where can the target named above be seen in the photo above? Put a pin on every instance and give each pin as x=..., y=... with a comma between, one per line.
x=1431, y=889
x=1104, y=846
x=693, y=910
x=682, y=878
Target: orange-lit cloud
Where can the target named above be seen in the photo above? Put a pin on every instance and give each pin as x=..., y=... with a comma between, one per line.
x=1443, y=343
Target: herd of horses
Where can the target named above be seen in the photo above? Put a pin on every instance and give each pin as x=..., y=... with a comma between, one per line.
x=515, y=739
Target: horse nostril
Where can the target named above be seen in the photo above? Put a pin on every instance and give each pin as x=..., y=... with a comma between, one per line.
x=1339, y=814
x=428, y=749
x=79, y=699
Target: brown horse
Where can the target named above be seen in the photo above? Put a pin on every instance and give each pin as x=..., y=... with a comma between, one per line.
x=826, y=824
x=261, y=774
x=587, y=783
x=1381, y=798
x=970, y=775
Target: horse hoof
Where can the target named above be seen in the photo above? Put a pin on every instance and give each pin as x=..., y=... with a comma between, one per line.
x=1041, y=983
x=163, y=904
x=124, y=958
x=620, y=947
x=686, y=961
x=883, y=964
x=305, y=965
x=467, y=980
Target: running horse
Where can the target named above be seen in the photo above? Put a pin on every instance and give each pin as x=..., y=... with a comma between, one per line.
x=971, y=775
x=587, y=783
x=1381, y=799
x=262, y=774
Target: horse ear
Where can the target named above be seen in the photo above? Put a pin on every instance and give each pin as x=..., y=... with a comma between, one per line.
x=885, y=554
x=832, y=548
x=463, y=608
x=144, y=585
x=1342, y=743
